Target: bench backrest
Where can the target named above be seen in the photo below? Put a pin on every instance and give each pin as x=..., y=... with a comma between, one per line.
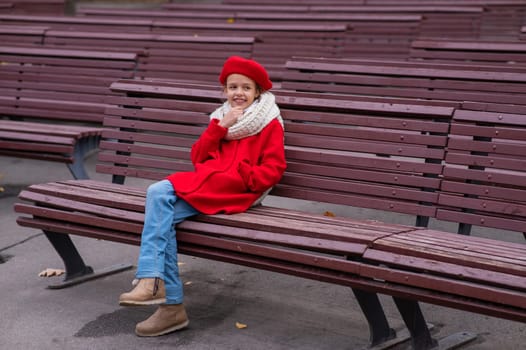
x=161, y=55
x=366, y=154
x=485, y=171
x=278, y=40
x=79, y=23
x=487, y=52
x=22, y=35
x=48, y=7
x=59, y=84
x=378, y=34
x=428, y=20
x=487, y=86
x=369, y=34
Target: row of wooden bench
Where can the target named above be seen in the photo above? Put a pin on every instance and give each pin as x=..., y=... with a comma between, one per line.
x=50, y=83
x=423, y=160
x=467, y=19
x=423, y=151
x=163, y=54
x=53, y=96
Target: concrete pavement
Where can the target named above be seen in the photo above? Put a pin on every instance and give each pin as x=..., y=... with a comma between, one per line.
x=281, y=312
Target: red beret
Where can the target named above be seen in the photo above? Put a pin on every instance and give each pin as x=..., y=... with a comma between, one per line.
x=246, y=67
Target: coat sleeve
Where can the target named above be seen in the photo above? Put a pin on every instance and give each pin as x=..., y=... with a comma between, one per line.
x=271, y=162
x=208, y=142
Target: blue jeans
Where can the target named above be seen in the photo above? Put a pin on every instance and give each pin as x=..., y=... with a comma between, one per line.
x=158, y=253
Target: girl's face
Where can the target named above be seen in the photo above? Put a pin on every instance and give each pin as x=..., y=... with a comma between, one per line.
x=240, y=90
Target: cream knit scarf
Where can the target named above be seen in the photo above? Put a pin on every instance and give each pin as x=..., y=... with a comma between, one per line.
x=258, y=115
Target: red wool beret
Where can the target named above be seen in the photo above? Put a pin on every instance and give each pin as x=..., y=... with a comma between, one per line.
x=246, y=67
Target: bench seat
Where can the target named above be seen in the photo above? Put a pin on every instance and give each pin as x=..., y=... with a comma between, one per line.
x=398, y=260
x=51, y=142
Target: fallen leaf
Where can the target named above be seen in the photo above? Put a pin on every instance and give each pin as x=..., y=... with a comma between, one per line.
x=51, y=272
x=241, y=325
x=329, y=213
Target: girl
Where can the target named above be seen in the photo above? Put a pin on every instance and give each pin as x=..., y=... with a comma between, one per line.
x=237, y=159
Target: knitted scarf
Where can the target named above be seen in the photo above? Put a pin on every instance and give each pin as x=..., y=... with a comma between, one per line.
x=258, y=115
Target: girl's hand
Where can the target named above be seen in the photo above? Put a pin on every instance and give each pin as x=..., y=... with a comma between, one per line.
x=231, y=117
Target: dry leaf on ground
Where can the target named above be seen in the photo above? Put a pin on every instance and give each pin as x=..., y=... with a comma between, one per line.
x=241, y=325
x=51, y=272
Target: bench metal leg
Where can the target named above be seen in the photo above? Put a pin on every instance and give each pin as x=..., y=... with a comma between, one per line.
x=76, y=270
x=464, y=229
x=374, y=313
x=73, y=262
x=78, y=170
x=418, y=328
x=415, y=322
x=82, y=148
x=422, y=221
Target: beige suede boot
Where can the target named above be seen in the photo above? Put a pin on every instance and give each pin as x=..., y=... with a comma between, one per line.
x=149, y=291
x=168, y=318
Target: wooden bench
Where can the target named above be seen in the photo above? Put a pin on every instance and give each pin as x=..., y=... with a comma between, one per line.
x=369, y=34
x=490, y=87
x=456, y=19
x=183, y=57
x=350, y=153
x=55, y=99
x=278, y=40
x=485, y=52
x=502, y=20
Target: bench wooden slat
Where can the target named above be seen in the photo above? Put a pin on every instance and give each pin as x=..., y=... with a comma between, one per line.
x=478, y=219
x=481, y=252
x=93, y=200
x=447, y=269
x=369, y=225
x=439, y=284
x=259, y=220
x=482, y=190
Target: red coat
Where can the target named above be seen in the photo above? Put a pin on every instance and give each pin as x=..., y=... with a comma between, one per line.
x=230, y=176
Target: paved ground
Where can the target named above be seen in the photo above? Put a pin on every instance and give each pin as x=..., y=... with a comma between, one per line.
x=281, y=312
